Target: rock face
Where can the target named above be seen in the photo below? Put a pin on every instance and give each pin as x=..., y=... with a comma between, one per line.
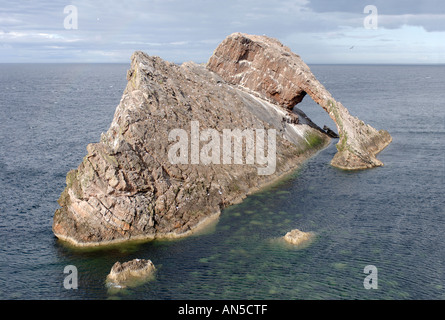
x=136, y=183
x=298, y=237
x=266, y=67
x=128, y=273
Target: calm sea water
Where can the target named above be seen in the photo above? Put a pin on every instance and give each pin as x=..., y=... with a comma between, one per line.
x=391, y=217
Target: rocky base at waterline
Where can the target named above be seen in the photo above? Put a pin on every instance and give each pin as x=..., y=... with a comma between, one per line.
x=130, y=273
x=169, y=161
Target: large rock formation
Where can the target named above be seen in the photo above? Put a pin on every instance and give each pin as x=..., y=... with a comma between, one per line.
x=165, y=166
x=130, y=184
x=266, y=67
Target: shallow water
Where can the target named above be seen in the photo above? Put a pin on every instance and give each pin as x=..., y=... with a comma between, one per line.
x=390, y=217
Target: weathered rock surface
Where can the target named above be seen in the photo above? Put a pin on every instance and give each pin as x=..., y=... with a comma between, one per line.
x=131, y=272
x=127, y=187
x=263, y=65
x=298, y=237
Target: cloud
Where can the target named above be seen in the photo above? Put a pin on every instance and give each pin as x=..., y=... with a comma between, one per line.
x=430, y=22
x=428, y=14
x=190, y=30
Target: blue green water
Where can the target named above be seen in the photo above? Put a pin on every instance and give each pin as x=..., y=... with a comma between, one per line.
x=391, y=217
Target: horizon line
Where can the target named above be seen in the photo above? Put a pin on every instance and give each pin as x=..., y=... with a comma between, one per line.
x=308, y=63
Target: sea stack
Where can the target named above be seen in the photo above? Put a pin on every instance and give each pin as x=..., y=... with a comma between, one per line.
x=171, y=159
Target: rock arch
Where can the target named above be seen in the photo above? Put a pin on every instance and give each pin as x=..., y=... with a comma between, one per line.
x=267, y=67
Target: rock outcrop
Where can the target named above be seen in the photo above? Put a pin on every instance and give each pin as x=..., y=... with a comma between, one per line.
x=138, y=183
x=298, y=237
x=130, y=273
x=169, y=161
x=263, y=65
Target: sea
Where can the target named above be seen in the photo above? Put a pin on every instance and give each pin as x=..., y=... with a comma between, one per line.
x=379, y=234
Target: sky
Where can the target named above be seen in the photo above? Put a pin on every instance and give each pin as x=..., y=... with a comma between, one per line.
x=320, y=31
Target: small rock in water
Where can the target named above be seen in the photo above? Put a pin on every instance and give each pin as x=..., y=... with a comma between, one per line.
x=297, y=237
x=130, y=273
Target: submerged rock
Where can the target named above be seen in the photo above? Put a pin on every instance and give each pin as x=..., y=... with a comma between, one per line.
x=165, y=166
x=265, y=66
x=130, y=273
x=298, y=237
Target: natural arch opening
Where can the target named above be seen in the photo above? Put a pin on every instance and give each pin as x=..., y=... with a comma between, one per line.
x=310, y=113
